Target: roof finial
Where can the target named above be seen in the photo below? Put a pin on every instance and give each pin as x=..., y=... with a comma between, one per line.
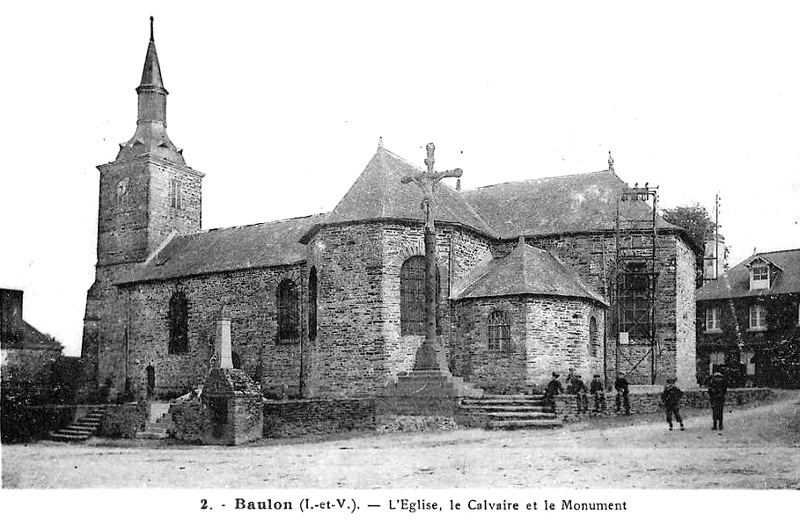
x=610, y=162
x=151, y=29
x=380, y=143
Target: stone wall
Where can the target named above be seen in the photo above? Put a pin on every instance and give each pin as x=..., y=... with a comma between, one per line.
x=123, y=420
x=317, y=416
x=249, y=298
x=650, y=402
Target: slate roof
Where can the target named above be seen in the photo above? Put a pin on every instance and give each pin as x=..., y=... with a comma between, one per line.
x=378, y=195
x=555, y=205
x=529, y=271
x=736, y=282
x=229, y=249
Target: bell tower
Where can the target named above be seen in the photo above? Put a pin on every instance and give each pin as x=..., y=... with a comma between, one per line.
x=147, y=194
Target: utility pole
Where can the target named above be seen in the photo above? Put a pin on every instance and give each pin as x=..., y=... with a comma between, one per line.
x=427, y=181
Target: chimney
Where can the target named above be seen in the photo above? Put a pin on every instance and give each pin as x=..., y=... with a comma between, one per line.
x=10, y=315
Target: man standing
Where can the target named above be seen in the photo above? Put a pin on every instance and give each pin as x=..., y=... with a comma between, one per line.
x=717, y=389
x=599, y=393
x=553, y=389
x=671, y=396
x=621, y=386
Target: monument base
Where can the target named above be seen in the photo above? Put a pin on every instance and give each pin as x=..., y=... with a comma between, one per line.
x=235, y=407
x=425, y=392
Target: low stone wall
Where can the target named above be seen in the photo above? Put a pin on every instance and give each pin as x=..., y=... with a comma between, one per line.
x=190, y=421
x=29, y=423
x=566, y=406
x=123, y=420
x=292, y=418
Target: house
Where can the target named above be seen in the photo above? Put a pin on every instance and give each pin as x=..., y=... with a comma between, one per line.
x=749, y=321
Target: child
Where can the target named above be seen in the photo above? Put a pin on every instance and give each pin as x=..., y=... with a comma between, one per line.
x=671, y=396
x=553, y=389
x=597, y=390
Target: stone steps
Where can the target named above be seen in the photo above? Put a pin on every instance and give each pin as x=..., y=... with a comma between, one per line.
x=81, y=429
x=508, y=412
x=159, y=424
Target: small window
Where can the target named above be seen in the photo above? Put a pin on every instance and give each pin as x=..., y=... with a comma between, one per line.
x=312, y=304
x=594, y=340
x=712, y=319
x=759, y=276
x=288, y=311
x=175, y=194
x=758, y=315
x=499, y=331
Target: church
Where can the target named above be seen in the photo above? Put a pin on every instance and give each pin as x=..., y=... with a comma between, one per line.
x=533, y=277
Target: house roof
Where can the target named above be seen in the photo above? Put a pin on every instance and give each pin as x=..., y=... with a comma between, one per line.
x=378, y=194
x=736, y=282
x=555, y=205
x=532, y=271
x=228, y=249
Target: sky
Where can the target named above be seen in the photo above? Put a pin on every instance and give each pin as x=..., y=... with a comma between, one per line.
x=282, y=104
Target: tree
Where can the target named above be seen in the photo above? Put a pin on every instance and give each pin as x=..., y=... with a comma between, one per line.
x=698, y=225
x=695, y=220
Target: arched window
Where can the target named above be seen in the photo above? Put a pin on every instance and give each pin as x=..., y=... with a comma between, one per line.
x=412, y=296
x=312, y=304
x=499, y=331
x=178, y=324
x=593, y=339
x=288, y=311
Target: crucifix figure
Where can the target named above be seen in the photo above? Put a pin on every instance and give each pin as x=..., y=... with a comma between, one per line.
x=427, y=181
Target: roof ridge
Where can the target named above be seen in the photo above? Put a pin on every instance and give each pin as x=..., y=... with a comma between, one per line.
x=241, y=226
x=776, y=251
x=539, y=179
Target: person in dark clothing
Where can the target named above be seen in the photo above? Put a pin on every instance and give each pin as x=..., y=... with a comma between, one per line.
x=671, y=397
x=717, y=389
x=553, y=389
x=578, y=388
x=599, y=393
x=623, y=399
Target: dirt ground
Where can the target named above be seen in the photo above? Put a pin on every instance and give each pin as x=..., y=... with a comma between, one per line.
x=759, y=449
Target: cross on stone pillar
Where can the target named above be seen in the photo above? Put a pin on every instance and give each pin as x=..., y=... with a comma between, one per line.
x=427, y=181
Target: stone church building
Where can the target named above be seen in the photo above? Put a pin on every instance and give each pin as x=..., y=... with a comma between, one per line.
x=332, y=305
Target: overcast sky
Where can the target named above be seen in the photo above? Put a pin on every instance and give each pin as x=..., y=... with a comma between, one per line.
x=282, y=106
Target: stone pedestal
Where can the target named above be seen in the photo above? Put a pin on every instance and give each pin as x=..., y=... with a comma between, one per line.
x=234, y=406
x=425, y=392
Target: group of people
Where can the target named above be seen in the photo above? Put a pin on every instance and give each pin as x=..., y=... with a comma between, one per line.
x=576, y=387
x=671, y=396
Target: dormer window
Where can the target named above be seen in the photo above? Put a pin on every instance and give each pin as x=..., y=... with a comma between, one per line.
x=759, y=276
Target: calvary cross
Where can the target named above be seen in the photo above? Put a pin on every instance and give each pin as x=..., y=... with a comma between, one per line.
x=427, y=181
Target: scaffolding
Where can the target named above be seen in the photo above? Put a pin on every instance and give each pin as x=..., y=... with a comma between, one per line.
x=636, y=278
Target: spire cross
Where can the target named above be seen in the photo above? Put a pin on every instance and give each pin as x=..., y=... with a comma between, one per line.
x=427, y=181
x=151, y=29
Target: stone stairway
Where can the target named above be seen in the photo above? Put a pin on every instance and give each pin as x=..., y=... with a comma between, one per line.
x=159, y=422
x=81, y=429
x=507, y=412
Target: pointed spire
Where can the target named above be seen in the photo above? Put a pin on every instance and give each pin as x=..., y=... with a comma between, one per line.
x=151, y=123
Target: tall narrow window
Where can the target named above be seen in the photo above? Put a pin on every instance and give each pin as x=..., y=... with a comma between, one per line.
x=712, y=319
x=312, y=304
x=175, y=194
x=758, y=317
x=288, y=311
x=178, y=324
x=594, y=341
x=634, y=298
x=499, y=331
